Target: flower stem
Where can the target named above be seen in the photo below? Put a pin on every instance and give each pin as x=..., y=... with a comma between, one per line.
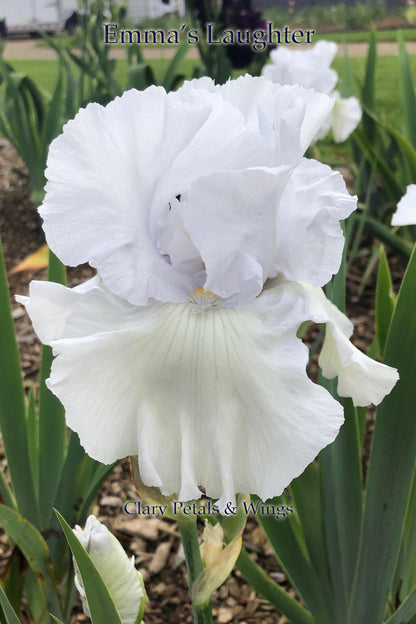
x=189, y=535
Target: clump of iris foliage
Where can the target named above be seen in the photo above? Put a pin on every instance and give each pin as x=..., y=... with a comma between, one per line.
x=349, y=550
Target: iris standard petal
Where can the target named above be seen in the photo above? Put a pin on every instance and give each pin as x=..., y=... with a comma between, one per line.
x=288, y=117
x=308, y=232
x=204, y=395
x=114, y=170
x=311, y=69
x=117, y=176
x=231, y=218
x=279, y=111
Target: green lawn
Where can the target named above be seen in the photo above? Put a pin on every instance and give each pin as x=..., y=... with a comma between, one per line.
x=387, y=77
x=389, y=91
x=388, y=86
x=409, y=34
x=389, y=104
x=45, y=73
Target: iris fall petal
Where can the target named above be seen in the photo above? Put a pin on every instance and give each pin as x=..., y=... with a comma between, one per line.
x=359, y=377
x=216, y=397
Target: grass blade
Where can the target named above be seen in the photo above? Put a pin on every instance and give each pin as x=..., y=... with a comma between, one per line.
x=342, y=489
x=170, y=75
x=405, y=575
x=405, y=612
x=71, y=494
x=12, y=408
x=6, y=495
x=277, y=596
x=52, y=427
x=408, y=91
x=36, y=552
x=140, y=76
x=341, y=481
x=100, y=475
x=391, y=465
x=349, y=77
x=384, y=301
x=8, y=616
x=306, y=492
x=408, y=154
x=368, y=89
x=393, y=188
x=54, y=118
x=385, y=235
x=33, y=438
x=290, y=551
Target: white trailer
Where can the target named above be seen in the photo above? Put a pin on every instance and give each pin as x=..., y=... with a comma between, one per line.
x=26, y=16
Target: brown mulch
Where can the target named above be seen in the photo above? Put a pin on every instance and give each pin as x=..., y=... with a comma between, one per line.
x=154, y=541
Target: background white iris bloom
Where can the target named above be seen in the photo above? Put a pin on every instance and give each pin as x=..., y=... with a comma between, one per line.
x=212, y=237
x=406, y=208
x=311, y=69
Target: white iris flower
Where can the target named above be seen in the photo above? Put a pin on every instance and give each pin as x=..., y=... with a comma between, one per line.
x=212, y=237
x=406, y=208
x=123, y=581
x=311, y=69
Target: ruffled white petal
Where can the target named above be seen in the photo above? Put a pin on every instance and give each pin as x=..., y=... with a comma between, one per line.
x=309, y=237
x=216, y=398
x=311, y=69
x=359, y=377
x=280, y=110
x=122, y=580
x=118, y=178
x=317, y=109
x=48, y=305
x=231, y=217
x=287, y=117
x=114, y=171
x=406, y=208
x=346, y=115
